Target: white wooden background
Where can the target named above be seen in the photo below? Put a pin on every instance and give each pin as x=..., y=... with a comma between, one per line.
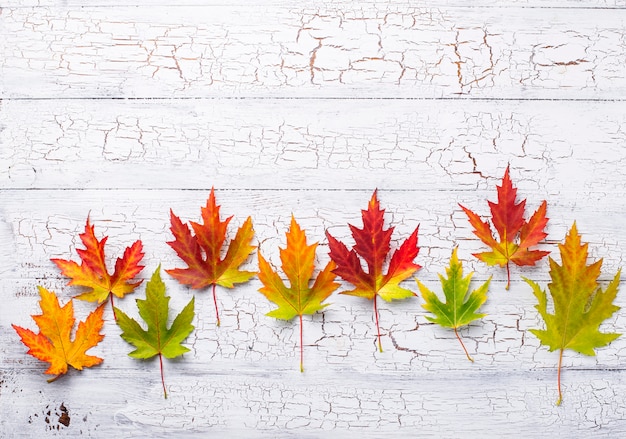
x=123, y=109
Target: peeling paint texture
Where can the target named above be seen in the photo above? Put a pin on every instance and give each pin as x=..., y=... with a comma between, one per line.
x=121, y=110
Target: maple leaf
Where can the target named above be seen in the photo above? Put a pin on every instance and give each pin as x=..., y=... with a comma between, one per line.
x=53, y=343
x=580, y=305
x=92, y=272
x=157, y=339
x=372, y=244
x=201, y=251
x=508, y=220
x=298, y=263
x=459, y=309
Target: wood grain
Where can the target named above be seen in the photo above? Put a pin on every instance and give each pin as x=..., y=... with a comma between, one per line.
x=124, y=110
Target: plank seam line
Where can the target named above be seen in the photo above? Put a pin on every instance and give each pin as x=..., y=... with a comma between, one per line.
x=314, y=98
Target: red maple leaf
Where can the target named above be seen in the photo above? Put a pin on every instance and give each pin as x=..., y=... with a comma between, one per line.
x=372, y=245
x=508, y=220
x=201, y=251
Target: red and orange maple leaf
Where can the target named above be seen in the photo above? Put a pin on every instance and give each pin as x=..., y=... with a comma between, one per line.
x=508, y=220
x=372, y=244
x=92, y=272
x=53, y=344
x=201, y=251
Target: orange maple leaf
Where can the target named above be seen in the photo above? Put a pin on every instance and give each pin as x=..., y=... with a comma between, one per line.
x=53, y=344
x=508, y=220
x=92, y=272
x=372, y=244
x=298, y=263
x=202, y=251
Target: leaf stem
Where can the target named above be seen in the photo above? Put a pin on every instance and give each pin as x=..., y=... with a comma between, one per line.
x=558, y=377
x=162, y=376
x=54, y=378
x=112, y=306
x=462, y=345
x=217, y=313
x=301, y=347
x=380, y=345
x=508, y=276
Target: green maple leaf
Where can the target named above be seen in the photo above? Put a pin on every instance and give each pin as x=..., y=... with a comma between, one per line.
x=459, y=309
x=580, y=305
x=157, y=339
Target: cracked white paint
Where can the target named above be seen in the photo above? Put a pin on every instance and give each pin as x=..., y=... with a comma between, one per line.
x=379, y=50
x=301, y=107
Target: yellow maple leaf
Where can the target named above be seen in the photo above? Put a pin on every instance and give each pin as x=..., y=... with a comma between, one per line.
x=53, y=343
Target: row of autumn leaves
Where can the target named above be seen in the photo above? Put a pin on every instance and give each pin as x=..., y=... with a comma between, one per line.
x=580, y=306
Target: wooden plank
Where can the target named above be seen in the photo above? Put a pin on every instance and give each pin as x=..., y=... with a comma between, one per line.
x=42, y=224
x=313, y=144
x=400, y=4
x=288, y=405
x=351, y=51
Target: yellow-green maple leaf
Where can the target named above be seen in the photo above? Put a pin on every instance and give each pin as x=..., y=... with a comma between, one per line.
x=580, y=305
